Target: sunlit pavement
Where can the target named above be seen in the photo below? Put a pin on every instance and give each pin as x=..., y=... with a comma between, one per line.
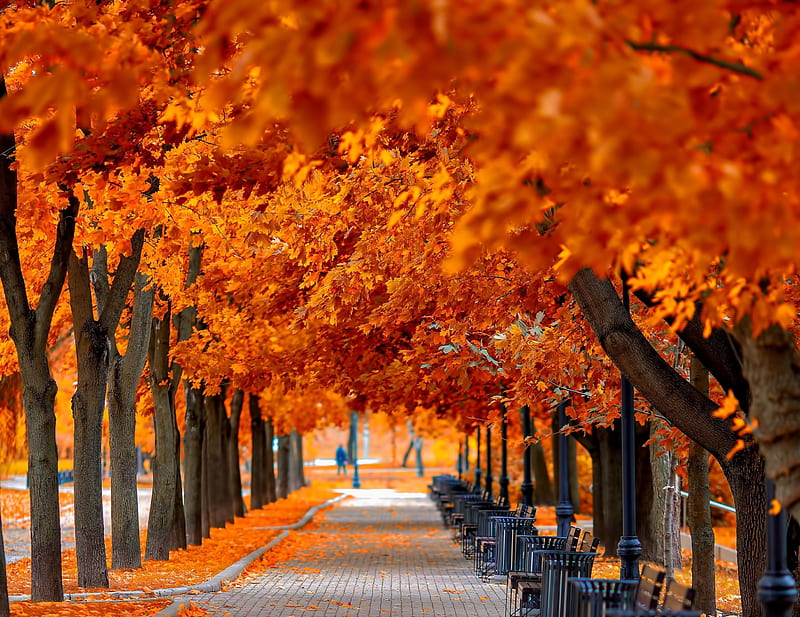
x=378, y=553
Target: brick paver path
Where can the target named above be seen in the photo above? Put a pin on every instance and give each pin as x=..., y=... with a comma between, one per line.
x=378, y=554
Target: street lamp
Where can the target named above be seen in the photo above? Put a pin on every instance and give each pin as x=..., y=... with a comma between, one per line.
x=504, y=458
x=527, y=484
x=478, y=471
x=564, y=510
x=354, y=424
x=629, y=548
x=489, y=476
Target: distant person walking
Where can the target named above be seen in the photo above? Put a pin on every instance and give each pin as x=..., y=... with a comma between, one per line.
x=341, y=460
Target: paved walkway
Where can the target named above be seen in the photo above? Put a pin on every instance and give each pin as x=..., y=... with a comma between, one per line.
x=379, y=553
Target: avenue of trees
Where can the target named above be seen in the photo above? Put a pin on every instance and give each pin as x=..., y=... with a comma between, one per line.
x=431, y=210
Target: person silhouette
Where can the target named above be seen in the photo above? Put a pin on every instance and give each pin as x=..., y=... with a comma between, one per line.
x=341, y=460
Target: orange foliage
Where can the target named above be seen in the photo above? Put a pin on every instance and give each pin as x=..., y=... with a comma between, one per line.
x=197, y=563
x=108, y=608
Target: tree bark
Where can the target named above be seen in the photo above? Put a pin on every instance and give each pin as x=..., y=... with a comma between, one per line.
x=234, y=469
x=5, y=610
x=698, y=511
x=126, y=371
x=29, y=331
x=257, y=465
x=296, y=475
x=688, y=410
x=215, y=462
x=193, y=465
x=166, y=465
x=270, y=485
x=663, y=509
x=166, y=525
x=772, y=367
x=543, y=493
x=88, y=405
x=282, y=484
x=95, y=345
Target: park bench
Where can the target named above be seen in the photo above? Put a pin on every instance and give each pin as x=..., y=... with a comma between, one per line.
x=462, y=512
x=592, y=597
x=448, y=500
x=469, y=527
x=678, y=602
x=496, y=539
x=544, y=592
x=525, y=585
x=528, y=564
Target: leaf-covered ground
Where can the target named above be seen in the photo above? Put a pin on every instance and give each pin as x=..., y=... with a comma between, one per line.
x=226, y=546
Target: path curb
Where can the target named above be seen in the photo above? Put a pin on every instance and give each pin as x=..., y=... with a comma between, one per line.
x=211, y=585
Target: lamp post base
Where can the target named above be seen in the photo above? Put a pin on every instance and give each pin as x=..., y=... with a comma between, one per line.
x=629, y=550
x=776, y=591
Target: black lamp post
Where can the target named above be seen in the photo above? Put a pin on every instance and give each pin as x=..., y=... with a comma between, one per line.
x=489, y=476
x=629, y=548
x=527, y=484
x=504, y=458
x=564, y=510
x=466, y=454
x=354, y=422
x=478, y=471
x=776, y=589
x=458, y=460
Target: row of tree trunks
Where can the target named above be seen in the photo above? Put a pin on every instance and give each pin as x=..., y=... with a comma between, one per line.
x=262, y=478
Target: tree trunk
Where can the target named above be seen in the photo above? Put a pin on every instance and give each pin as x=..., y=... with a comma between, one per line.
x=610, y=453
x=5, y=610
x=296, y=475
x=88, y=405
x=270, y=488
x=29, y=331
x=125, y=373
x=166, y=528
x=257, y=465
x=282, y=484
x=664, y=506
x=745, y=474
x=698, y=511
x=234, y=469
x=543, y=493
x=591, y=443
x=688, y=410
x=215, y=462
x=771, y=367
x=193, y=465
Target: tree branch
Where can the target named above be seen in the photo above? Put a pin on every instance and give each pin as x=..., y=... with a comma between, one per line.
x=659, y=383
x=736, y=67
x=123, y=279
x=58, y=270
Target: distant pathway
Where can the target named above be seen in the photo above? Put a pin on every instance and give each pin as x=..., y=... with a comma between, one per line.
x=380, y=553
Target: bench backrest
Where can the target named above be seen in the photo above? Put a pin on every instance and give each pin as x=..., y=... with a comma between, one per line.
x=678, y=597
x=588, y=543
x=649, y=588
x=527, y=512
x=501, y=502
x=573, y=538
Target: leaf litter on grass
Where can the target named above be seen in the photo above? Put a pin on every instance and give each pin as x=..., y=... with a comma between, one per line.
x=196, y=563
